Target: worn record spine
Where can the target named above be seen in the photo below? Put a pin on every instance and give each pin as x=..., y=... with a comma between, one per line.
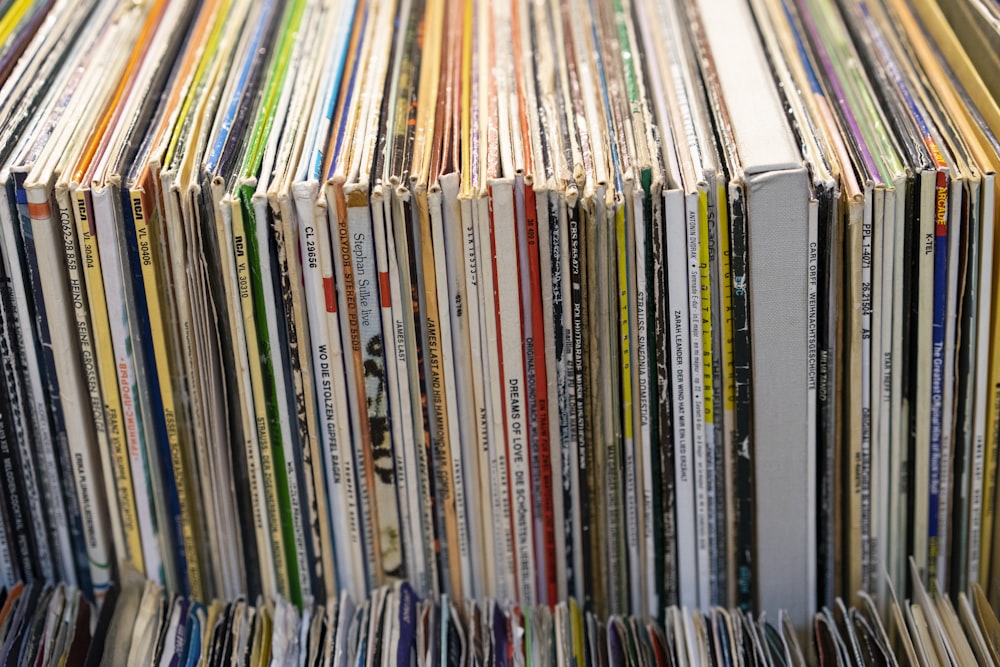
x=608, y=490
x=421, y=480
x=714, y=492
x=144, y=215
x=24, y=515
x=277, y=379
x=826, y=379
x=722, y=312
x=369, y=350
x=538, y=404
x=435, y=534
x=578, y=312
x=967, y=375
x=984, y=390
x=921, y=314
x=450, y=261
x=889, y=369
x=53, y=226
x=742, y=379
x=593, y=454
x=8, y=563
x=17, y=480
x=232, y=219
x=48, y=535
x=292, y=290
x=562, y=341
x=627, y=480
x=675, y=256
x=699, y=458
x=173, y=495
x=248, y=456
x=403, y=424
x=548, y=329
x=665, y=533
x=645, y=393
x=440, y=369
x=295, y=349
x=516, y=423
x=937, y=368
x=898, y=350
x=108, y=376
x=856, y=461
x=88, y=353
x=503, y=534
x=71, y=555
x=958, y=230
x=328, y=372
x=398, y=391
x=260, y=313
x=470, y=269
x=862, y=529
x=354, y=369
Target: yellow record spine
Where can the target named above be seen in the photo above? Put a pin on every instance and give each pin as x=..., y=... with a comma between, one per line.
x=108, y=377
x=726, y=281
x=708, y=392
x=12, y=17
x=85, y=336
x=623, y=323
x=141, y=205
x=728, y=388
x=705, y=267
x=630, y=506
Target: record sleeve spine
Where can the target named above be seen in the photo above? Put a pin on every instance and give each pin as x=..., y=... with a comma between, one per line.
x=295, y=355
x=354, y=369
x=108, y=376
x=400, y=405
x=742, y=379
x=20, y=495
x=675, y=255
x=624, y=264
x=88, y=351
x=665, y=534
x=538, y=383
x=20, y=367
x=327, y=359
x=507, y=303
x=937, y=368
x=440, y=372
x=715, y=500
x=269, y=466
x=985, y=391
x=64, y=521
x=142, y=209
x=287, y=451
x=700, y=460
x=61, y=282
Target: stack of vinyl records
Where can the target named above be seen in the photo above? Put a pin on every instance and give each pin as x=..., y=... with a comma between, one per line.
x=651, y=304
